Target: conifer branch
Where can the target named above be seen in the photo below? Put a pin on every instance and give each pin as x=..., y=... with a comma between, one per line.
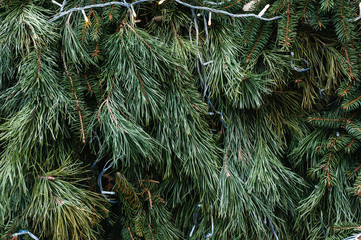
x=326, y=119
x=359, y=16
x=344, y=92
x=255, y=45
x=249, y=31
x=349, y=63
x=151, y=232
x=100, y=108
x=278, y=6
x=145, y=42
x=149, y=197
x=229, y=6
x=11, y=230
x=76, y=98
x=355, y=126
x=39, y=65
x=87, y=82
x=327, y=169
x=343, y=19
x=111, y=113
x=318, y=16
x=130, y=233
x=176, y=36
x=46, y=177
x=357, y=168
x=304, y=9
x=152, y=94
x=287, y=39
x=351, y=102
x=138, y=75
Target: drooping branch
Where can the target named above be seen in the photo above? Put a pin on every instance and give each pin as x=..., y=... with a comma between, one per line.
x=76, y=99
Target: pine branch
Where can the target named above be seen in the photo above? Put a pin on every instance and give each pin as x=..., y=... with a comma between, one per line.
x=76, y=99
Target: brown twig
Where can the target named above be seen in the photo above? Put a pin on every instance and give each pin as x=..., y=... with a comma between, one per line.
x=346, y=90
x=150, y=197
x=349, y=63
x=12, y=229
x=139, y=77
x=101, y=105
x=176, y=34
x=76, y=98
x=46, y=177
x=286, y=40
x=111, y=113
x=151, y=232
x=145, y=42
x=255, y=45
x=130, y=232
x=343, y=19
x=87, y=82
x=161, y=199
x=149, y=180
x=327, y=169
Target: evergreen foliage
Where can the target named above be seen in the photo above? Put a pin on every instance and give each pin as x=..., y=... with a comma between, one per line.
x=257, y=118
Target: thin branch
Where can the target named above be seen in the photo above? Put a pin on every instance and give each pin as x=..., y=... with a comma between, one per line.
x=175, y=34
x=76, y=98
x=349, y=63
x=12, y=229
x=255, y=45
x=101, y=105
x=359, y=17
x=149, y=180
x=86, y=79
x=150, y=229
x=131, y=235
x=358, y=168
x=342, y=228
x=150, y=197
x=327, y=170
x=46, y=177
x=352, y=102
x=111, y=113
x=161, y=199
x=145, y=42
x=139, y=77
x=286, y=40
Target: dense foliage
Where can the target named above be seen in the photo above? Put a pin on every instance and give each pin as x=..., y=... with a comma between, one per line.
x=164, y=106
